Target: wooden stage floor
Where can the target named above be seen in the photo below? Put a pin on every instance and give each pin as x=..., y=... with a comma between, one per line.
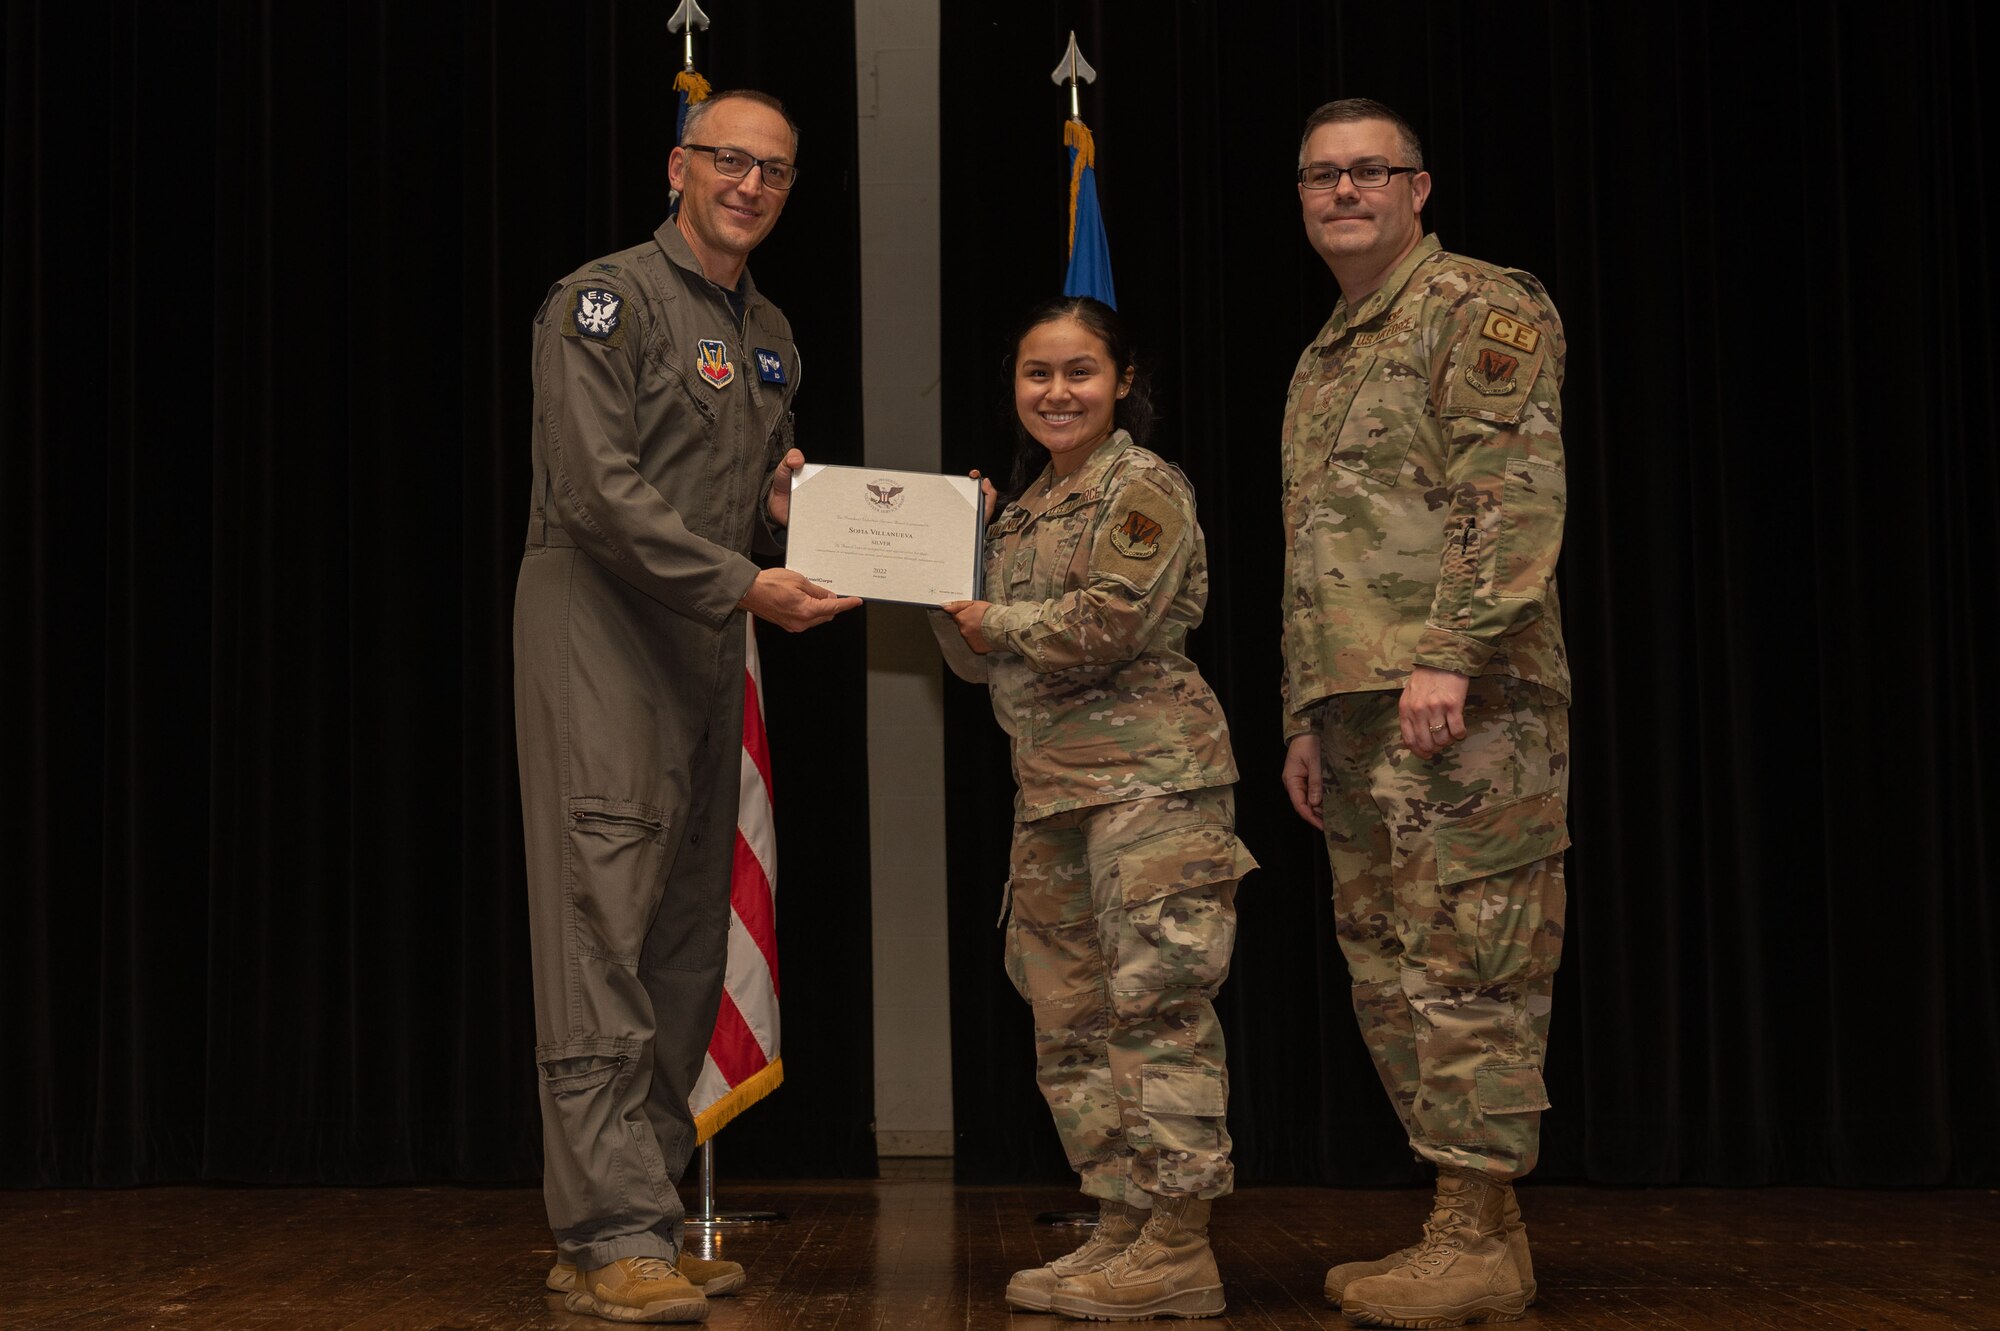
x=917, y=1253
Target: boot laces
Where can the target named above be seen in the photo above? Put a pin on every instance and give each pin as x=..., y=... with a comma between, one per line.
x=652, y=1268
x=1442, y=1233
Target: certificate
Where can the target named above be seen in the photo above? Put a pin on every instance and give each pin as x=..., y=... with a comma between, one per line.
x=886, y=535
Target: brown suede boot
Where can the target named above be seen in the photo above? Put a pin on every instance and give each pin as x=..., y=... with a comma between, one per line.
x=1340, y=1277
x=713, y=1279
x=1117, y=1225
x=637, y=1289
x=1464, y=1271
x=1169, y=1271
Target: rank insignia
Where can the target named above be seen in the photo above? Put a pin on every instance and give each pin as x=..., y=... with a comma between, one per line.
x=610, y=268
x=712, y=359
x=770, y=366
x=1138, y=537
x=1513, y=332
x=595, y=314
x=1493, y=373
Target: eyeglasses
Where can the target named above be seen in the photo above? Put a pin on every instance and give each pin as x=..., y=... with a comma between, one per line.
x=736, y=164
x=1325, y=175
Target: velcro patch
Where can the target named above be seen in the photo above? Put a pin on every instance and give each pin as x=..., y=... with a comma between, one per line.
x=1504, y=327
x=595, y=313
x=1493, y=372
x=770, y=366
x=1137, y=537
x=1129, y=545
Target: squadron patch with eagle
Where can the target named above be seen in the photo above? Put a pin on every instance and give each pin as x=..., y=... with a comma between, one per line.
x=595, y=314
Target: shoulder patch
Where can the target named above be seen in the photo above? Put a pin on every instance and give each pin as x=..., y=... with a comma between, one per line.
x=1511, y=330
x=596, y=314
x=1137, y=536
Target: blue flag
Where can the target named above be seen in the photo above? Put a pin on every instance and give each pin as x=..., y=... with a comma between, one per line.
x=1089, y=252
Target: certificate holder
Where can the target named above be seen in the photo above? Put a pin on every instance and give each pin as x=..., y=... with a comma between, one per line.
x=911, y=536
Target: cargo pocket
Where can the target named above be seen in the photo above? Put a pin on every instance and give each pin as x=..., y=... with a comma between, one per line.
x=1500, y=873
x=1179, y=926
x=1510, y=1089
x=617, y=868
x=1183, y=1108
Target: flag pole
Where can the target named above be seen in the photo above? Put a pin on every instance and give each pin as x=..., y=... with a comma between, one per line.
x=707, y=1219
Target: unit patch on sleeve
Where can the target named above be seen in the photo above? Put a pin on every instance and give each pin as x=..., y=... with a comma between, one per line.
x=770, y=366
x=1493, y=373
x=1504, y=327
x=712, y=359
x=1137, y=537
x=596, y=313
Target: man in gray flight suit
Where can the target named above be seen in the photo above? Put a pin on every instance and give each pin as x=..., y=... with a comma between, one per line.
x=662, y=448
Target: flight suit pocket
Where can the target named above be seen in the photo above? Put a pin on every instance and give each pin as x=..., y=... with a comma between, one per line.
x=1378, y=429
x=617, y=868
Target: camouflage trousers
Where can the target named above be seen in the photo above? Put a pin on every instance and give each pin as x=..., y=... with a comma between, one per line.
x=1122, y=922
x=1449, y=902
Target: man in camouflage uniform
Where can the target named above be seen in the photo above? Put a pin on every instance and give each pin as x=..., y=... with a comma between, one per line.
x=1124, y=865
x=662, y=432
x=1426, y=693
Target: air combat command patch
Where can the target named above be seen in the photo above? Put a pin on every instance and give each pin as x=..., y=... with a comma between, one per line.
x=712, y=359
x=1137, y=537
x=1493, y=372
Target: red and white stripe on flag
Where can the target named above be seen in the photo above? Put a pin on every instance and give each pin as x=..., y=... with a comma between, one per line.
x=743, y=1066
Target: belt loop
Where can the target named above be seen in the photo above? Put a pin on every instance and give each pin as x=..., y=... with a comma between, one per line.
x=538, y=528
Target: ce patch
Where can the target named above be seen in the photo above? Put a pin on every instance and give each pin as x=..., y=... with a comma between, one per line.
x=770, y=366
x=596, y=314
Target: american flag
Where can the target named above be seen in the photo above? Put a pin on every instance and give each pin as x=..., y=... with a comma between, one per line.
x=743, y=1066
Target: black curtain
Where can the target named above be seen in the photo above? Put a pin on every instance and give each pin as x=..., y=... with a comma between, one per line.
x=1768, y=230
x=269, y=271
x=266, y=273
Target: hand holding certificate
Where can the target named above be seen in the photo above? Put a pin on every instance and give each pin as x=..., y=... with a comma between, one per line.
x=910, y=536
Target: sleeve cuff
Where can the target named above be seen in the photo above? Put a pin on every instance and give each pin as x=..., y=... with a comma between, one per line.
x=1442, y=649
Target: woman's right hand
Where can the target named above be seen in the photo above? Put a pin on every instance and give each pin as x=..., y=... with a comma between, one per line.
x=986, y=489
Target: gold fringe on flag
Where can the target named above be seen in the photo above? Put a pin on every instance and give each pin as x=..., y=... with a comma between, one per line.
x=754, y=1088
x=697, y=89
x=1076, y=135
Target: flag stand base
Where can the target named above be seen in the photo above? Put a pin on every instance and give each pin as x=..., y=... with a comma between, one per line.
x=706, y=1218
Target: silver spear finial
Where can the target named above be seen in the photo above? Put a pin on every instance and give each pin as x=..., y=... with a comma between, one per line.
x=685, y=20
x=1072, y=68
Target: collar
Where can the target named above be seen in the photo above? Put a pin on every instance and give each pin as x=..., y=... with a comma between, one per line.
x=1382, y=297
x=1048, y=489
x=674, y=245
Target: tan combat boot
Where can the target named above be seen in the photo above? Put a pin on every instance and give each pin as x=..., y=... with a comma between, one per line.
x=1463, y=1271
x=1340, y=1277
x=637, y=1289
x=1117, y=1225
x=713, y=1279
x=1169, y=1271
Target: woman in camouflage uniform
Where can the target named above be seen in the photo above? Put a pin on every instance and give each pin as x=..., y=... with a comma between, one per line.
x=1125, y=859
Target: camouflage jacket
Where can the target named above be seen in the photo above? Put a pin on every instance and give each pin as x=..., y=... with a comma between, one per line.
x=1423, y=485
x=1095, y=581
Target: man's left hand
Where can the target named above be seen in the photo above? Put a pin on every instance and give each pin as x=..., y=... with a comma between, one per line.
x=1432, y=712
x=779, y=505
x=969, y=615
